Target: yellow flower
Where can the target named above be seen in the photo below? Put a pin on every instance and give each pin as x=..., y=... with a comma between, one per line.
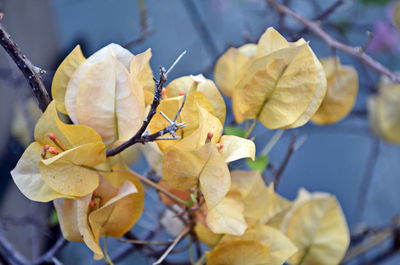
x=111, y=210
x=279, y=83
x=59, y=163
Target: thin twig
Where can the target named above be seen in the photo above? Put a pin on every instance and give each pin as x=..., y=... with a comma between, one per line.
x=31, y=72
x=171, y=247
x=159, y=188
x=333, y=43
x=145, y=242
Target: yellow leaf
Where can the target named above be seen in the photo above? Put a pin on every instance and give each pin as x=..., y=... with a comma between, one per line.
x=153, y=156
x=235, y=148
x=231, y=66
x=65, y=171
x=205, y=235
x=68, y=135
x=68, y=172
x=341, y=94
x=240, y=252
x=27, y=177
x=140, y=66
x=384, y=111
x=63, y=75
x=260, y=202
x=207, y=123
x=283, y=89
x=187, y=84
x=280, y=248
x=119, y=101
x=317, y=227
x=108, y=211
x=227, y=217
x=185, y=169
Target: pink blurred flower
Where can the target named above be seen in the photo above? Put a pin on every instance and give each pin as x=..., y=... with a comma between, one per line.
x=386, y=38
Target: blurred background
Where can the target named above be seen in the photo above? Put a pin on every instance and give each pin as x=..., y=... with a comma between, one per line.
x=344, y=159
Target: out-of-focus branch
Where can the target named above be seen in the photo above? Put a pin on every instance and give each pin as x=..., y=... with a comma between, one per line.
x=50, y=254
x=373, y=239
x=367, y=179
x=10, y=253
x=31, y=72
x=335, y=44
x=325, y=14
x=293, y=146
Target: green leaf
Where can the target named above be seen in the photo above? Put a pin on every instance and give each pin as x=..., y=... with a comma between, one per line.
x=260, y=164
x=53, y=219
x=235, y=130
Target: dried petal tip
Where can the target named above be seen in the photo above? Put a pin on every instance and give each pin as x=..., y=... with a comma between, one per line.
x=92, y=204
x=164, y=92
x=53, y=151
x=210, y=135
x=182, y=93
x=52, y=136
x=46, y=147
x=220, y=146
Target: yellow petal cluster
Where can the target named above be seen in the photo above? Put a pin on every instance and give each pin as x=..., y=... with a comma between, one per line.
x=104, y=91
x=279, y=83
x=384, y=111
x=311, y=230
x=110, y=210
x=65, y=173
x=341, y=94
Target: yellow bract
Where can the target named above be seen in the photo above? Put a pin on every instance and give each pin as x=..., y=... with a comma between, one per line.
x=43, y=176
x=104, y=91
x=282, y=86
x=62, y=76
x=140, y=66
x=227, y=217
x=205, y=166
x=317, y=227
x=341, y=94
x=231, y=66
x=111, y=210
x=384, y=111
x=260, y=245
x=260, y=202
x=187, y=84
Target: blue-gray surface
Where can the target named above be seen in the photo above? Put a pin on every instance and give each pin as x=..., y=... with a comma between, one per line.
x=333, y=158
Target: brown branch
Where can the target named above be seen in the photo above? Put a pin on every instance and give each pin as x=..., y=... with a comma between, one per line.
x=31, y=72
x=333, y=43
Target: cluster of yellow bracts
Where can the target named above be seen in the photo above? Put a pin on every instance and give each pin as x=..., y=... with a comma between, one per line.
x=100, y=102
